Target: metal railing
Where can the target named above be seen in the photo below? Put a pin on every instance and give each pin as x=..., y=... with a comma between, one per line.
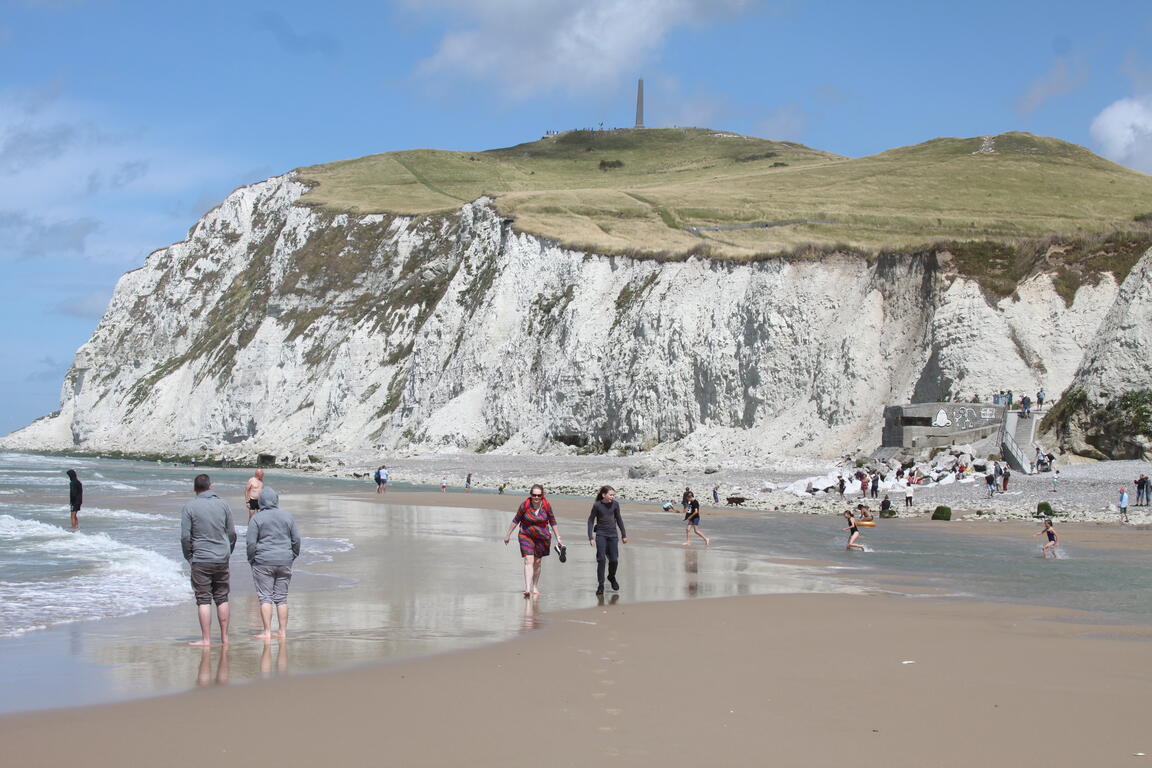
x=1009, y=448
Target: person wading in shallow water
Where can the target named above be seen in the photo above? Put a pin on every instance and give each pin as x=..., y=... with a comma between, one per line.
x=1053, y=539
x=603, y=521
x=534, y=518
x=853, y=532
x=75, y=497
x=252, y=492
x=207, y=538
x=692, y=518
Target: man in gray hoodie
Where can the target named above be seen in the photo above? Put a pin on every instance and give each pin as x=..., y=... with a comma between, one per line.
x=273, y=545
x=208, y=536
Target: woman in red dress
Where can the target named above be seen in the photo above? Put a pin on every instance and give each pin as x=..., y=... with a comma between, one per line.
x=534, y=518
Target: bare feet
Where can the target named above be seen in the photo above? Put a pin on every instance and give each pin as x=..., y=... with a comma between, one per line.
x=262, y=636
x=201, y=643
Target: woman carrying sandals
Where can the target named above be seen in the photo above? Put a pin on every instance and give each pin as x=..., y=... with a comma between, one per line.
x=603, y=521
x=534, y=518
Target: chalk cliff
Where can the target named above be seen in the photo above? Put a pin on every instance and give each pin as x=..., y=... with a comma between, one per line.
x=287, y=329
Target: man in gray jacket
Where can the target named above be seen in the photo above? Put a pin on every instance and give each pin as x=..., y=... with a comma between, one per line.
x=273, y=545
x=208, y=536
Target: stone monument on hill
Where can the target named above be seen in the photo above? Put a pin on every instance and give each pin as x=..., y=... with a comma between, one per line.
x=639, y=104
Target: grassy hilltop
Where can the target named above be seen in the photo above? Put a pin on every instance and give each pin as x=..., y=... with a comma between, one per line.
x=676, y=189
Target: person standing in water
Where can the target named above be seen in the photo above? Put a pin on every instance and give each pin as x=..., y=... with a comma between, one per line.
x=534, y=518
x=1053, y=539
x=207, y=538
x=603, y=521
x=252, y=492
x=853, y=532
x=692, y=517
x=273, y=544
x=75, y=497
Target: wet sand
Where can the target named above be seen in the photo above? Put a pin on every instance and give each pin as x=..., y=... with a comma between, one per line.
x=807, y=680
x=810, y=680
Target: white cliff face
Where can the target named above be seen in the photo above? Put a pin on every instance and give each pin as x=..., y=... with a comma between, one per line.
x=1119, y=357
x=278, y=328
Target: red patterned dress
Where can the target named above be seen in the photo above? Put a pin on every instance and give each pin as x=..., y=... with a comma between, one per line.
x=535, y=537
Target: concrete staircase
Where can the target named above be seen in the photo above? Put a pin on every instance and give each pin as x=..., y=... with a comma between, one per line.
x=1016, y=439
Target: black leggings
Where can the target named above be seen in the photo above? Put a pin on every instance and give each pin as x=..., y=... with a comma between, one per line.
x=607, y=549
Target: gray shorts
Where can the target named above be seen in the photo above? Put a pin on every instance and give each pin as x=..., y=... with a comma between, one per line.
x=272, y=582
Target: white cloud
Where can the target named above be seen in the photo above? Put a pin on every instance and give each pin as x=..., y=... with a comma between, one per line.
x=74, y=181
x=90, y=305
x=1066, y=75
x=785, y=123
x=532, y=46
x=1123, y=131
x=31, y=236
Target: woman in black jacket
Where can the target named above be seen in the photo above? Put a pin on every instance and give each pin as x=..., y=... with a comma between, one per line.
x=603, y=521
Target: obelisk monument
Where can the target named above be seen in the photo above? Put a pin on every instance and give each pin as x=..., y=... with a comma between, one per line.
x=639, y=104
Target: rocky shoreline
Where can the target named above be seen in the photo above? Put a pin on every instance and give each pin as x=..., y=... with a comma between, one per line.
x=1084, y=492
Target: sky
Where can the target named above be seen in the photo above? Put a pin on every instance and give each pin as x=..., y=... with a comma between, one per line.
x=122, y=122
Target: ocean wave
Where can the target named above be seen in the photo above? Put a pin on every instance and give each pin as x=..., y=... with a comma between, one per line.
x=322, y=550
x=60, y=480
x=35, y=460
x=125, y=514
x=122, y=579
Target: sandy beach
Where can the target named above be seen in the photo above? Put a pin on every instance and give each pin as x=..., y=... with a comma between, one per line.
x=791, y=680
x=814, y=679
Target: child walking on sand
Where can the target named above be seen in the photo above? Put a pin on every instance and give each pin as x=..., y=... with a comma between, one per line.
x=1053, y=539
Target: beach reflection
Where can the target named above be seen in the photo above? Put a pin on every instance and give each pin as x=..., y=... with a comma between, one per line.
x=266, y=669
x=692, y=569
x=204, y=677
x=530, y=620
x=419, y=580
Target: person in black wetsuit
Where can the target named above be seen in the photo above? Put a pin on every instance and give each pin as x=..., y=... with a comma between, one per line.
x=603, y=521
x=75, y=496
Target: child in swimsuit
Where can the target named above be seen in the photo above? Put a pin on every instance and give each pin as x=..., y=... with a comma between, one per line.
x=1053, y=539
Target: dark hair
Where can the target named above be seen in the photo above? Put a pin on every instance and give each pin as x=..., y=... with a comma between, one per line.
x=534, y=487
x=603, y=490
x=201, y=483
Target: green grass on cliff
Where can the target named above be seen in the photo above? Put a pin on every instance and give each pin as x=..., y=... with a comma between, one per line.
x=639, y=191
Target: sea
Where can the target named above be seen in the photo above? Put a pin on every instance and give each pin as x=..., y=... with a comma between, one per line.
x=104, y=612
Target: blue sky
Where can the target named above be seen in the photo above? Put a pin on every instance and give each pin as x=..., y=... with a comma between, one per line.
x=121, y=122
